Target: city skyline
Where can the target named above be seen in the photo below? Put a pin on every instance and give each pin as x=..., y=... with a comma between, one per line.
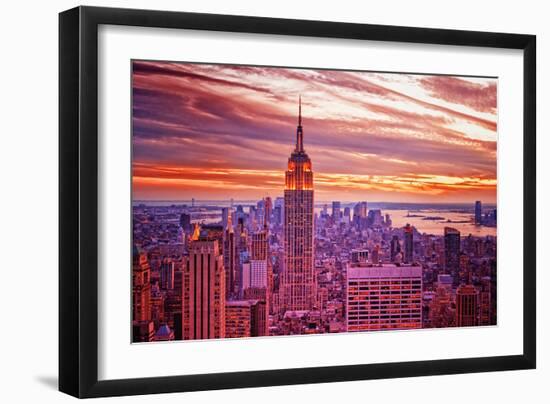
x=216, y=132
x=282, y=266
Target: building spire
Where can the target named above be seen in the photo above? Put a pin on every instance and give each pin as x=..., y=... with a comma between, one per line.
x=299, y=131
x=300, y=110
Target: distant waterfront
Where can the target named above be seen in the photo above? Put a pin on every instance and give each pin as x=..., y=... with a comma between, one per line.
x=399, y=219
x=460, y=215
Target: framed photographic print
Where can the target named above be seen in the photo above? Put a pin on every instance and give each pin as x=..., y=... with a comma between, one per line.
x=251, y=201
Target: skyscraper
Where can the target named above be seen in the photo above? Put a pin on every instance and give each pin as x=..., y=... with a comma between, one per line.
x=141, y=286
x=375, y=255
x=336, y=211
x=395, y=248
x=408, y=236
x=255, y=272
x=203, y=303
x=360, y=215
x=346, y=216
x=167, y=274
x=452, y=253
x=298, y=286
x=478, y=214
x=375, y=217
x=229, y=260
x=360, y=210
x=241, y=252
x=226, y=213
x=185, y=223
x=466, y=306
x=268, y=210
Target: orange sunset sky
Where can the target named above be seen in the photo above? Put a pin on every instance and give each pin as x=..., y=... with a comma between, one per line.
x=222, y=131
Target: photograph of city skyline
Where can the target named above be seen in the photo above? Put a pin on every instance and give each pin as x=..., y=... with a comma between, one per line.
x=270, y=201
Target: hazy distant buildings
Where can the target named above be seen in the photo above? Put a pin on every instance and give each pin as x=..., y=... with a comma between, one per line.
x=360, y=215
x=375, y=217
x=185, y=223
x=226, y=216
x=346, y=216
x=360, y=210
x=478, y=215
x=298, y=282
x=383, y=297
x=336, y=211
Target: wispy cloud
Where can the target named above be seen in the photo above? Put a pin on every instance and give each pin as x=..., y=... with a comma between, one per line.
x=222, y=131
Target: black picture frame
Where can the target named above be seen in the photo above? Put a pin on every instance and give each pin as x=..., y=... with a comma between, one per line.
x=78, y=200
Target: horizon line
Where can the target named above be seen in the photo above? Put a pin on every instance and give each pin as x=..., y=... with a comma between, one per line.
x=324, y=201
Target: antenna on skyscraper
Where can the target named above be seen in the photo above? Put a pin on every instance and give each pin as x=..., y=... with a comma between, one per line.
x=300, y=110
x=299, y=131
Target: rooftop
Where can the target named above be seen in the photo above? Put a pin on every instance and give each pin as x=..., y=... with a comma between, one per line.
x=384, y=271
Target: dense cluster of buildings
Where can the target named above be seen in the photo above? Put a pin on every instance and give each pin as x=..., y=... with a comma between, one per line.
x=278, y=267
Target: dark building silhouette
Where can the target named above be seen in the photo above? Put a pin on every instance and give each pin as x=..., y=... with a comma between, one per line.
x=452, y=253
x=185, y=223
x=478, y=213
x=408, y=238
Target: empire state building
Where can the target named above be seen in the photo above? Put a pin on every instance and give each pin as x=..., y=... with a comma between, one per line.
x=298, y=283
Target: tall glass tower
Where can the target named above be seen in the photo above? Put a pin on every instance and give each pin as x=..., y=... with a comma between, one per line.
x=298, y=283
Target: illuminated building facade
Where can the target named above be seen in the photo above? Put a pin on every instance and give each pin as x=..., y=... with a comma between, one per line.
x=203, y=303
x=298, y=283
x=383, y=297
